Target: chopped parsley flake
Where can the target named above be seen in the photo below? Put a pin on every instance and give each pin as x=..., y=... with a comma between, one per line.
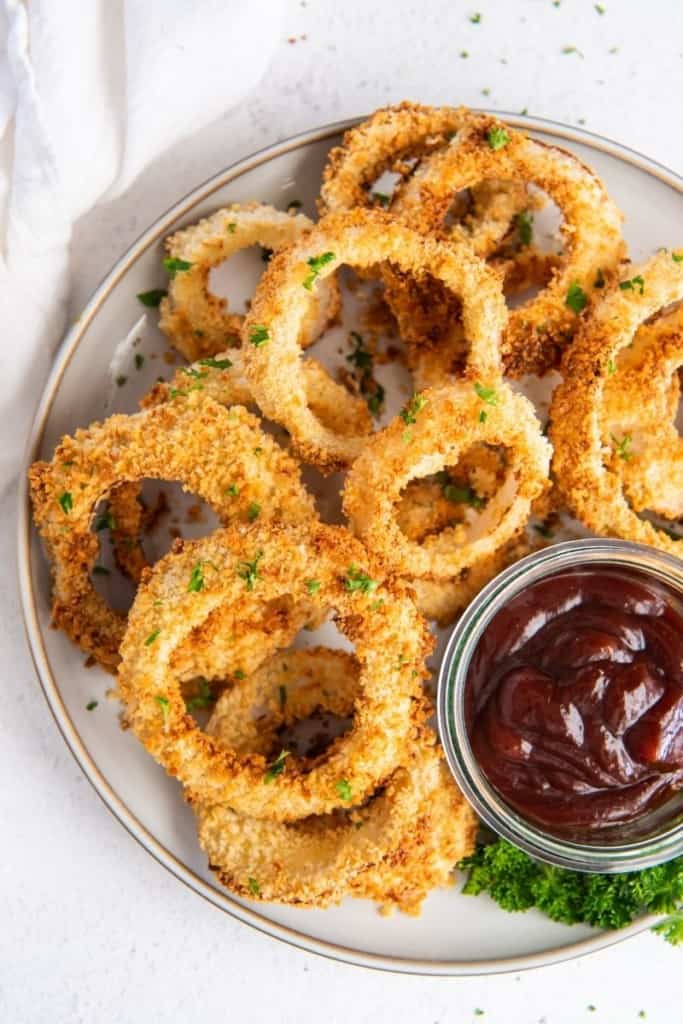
x=497, y=137
x=622, y=447
x=382, y=198
x=233, y=490
x=174, y=265
x=91, y=705
x=139, y=360
x=312, y=586
x=611, y=367
x=216, y=364
x=475, y=18
x=572, y=49
x=525, y=226
x=152, y=637
x=254, y=887
x=677, y=257
x=66, y=501
x=238, y=673
x=231, y=227
x=276, y=767
x=635, y=282
x=248, y=571
x=357, y=580
x=254, y=511
x=164, y=705
x=203, y=699
x=576, y=299
x=462, y=495
x=259, y=335
x=482, y=416
x=152, y=298
x=600, y=8
x=464, y=54
x=487, y=395
x=414, y=406
x=362, y=359
x=316, y=264
x=197, y=576
x=343, y=787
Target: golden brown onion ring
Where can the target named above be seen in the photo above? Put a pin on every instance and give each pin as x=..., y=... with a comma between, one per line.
x=245, y=569
x=390, y=137
x=584, y=449
x=360, y=238
x=426, y=823
x=642, y=398
x=438, y=427
x=209, y=449
x=199, y=323
x=591, y=231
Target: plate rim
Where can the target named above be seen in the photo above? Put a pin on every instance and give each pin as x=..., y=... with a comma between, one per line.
x=48, y=683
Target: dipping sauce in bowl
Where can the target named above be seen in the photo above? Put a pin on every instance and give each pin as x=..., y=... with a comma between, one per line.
x=560, y=704
x=574, y=699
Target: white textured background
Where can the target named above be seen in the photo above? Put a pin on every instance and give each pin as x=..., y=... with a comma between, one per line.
x=91, y=929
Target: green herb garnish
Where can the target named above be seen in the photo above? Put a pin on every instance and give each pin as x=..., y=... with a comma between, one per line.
x=631, y=285
x=276, y=767
x=576, y=297
x=357, y=580
x=497, y=137
x=203, y=699
x=254, y=887
x=343, y=787
x=152, y=298
x=312, y=586
x=216, y=364
x=622, y=447
x=248, y=571
x=316, y=264
x=487, y=395
x=91, y=705
x=525, y=226
x=152, y=637
x=164, y=705
x=66, y=501
x=174, y=265
x=414, y=406
x=254, y=511
x=517, y=882
x=259, y=335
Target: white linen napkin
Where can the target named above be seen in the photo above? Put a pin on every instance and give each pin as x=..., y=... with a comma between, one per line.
x=90, y=92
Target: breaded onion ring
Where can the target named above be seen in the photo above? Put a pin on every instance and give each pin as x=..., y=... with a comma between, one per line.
x=591, y=231
x=245, y=569
x=432, y=433
x=427, y=825
x=360, y=238
x=652, y=474
x=199, y=323
x=584, y=449
x=223, y=379
x=209, y=449
x=390, y=137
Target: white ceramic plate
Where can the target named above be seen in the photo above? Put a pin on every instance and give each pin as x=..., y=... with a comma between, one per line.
x=455, y=934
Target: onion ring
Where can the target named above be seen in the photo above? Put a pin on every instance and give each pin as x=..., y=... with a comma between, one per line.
x=593, y=247
x=193, y=439
x=443, y=424
x=653, y=474
x=222, y=378
x=245, y=568
x=361, y=238
x=427, y=824
x=199, y=323
x=583, y=452
x=396, y=134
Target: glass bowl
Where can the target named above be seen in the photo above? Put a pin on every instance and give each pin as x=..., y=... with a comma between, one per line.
x=653, y=837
